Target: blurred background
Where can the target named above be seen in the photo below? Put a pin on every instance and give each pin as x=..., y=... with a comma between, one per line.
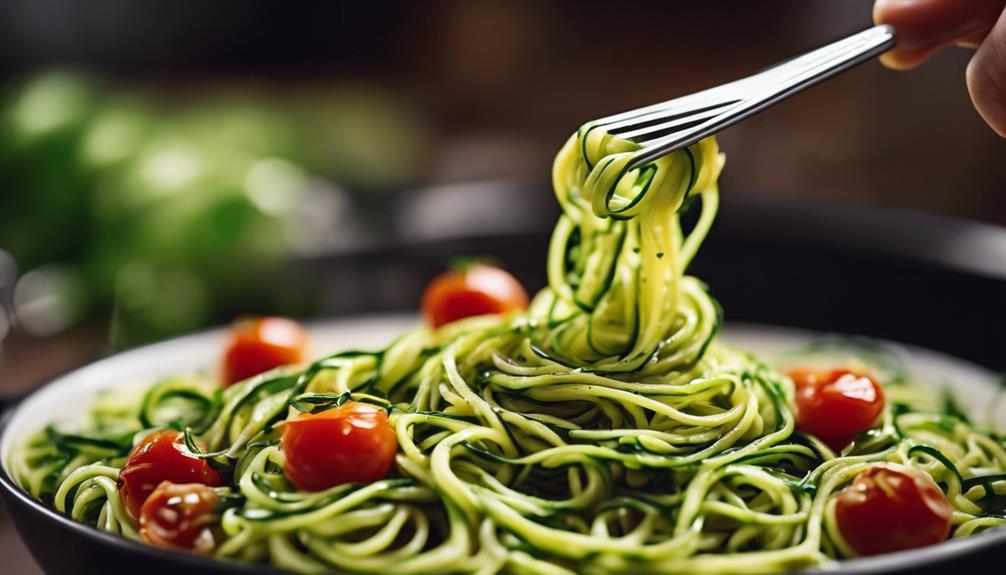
x=167, y=165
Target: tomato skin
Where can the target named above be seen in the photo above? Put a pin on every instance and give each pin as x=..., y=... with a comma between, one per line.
x=260, y=344
x=478, y=289
x=180, y=516
x=350, y=443
x=890, y=508
x=161, y=456
x=837, y=404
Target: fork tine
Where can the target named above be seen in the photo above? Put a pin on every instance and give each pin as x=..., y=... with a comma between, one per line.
x=665, y=114
x=694, y=101
x=659, y=127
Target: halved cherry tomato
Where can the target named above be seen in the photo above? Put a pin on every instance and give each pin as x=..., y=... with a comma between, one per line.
x=260, y=344
x=180, y=516
x=890, y=508
x=350, y=443
x=837, y=404
x=162, y=456
x=477, y=289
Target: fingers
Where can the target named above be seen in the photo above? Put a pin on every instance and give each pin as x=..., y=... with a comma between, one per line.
x=986, y=77
x=925, y=26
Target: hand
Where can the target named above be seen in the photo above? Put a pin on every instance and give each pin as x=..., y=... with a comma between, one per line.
x=926, y=26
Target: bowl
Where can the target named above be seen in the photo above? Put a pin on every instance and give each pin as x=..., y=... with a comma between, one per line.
x=61, y=545
x=925, y=281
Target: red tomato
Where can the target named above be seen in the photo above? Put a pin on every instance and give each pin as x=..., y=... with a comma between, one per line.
x=180, y=516
x=260, y=344
x=890, y=508
x=836, y=405
x=162, y=456
x=478, y=289
x=350, y=443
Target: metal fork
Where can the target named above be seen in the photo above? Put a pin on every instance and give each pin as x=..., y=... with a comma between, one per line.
x=662, y=128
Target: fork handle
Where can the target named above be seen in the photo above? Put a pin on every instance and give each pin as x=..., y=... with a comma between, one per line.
x=775, y=84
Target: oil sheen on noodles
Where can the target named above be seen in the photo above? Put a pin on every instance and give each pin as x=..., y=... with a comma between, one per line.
x=606, y=430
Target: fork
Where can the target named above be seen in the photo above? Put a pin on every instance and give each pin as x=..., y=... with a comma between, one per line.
x=662, y=128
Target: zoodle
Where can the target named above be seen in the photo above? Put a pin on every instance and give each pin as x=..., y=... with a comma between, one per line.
x=603, y=430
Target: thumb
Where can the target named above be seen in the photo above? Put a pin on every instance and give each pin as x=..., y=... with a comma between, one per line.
x=986, y=77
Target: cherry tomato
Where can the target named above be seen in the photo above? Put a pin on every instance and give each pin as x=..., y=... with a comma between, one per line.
x=162, y=456
x=260, y=344
x=478, y=289
x=837, y=404
x=180, y=516
x=350, y=443
x=890, y=508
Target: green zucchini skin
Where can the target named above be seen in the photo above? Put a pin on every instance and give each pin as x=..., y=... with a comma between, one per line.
x=605, y=430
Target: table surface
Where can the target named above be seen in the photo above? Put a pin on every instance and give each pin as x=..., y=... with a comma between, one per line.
x=16, y=559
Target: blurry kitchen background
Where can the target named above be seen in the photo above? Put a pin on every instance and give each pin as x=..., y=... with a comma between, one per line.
x=167, y=165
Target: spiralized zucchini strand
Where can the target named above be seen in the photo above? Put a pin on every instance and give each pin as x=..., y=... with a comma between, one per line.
x=605, y=430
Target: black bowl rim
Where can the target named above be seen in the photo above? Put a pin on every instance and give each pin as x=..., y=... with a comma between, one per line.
x=889, y=563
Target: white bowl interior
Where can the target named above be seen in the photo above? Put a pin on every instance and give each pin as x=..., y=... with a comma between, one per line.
x=67, y=399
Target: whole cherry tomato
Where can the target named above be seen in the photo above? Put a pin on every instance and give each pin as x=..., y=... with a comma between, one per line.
x=477, y=289
x=350, y=443
x=260, y=344
x=180, y=516
x=836, y=404
x=161, y=456
x=890, y=508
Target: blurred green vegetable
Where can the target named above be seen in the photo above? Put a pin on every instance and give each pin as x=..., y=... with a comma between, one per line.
x=177, y=212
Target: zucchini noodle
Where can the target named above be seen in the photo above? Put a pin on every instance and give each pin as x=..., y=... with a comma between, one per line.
x=605, y=430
